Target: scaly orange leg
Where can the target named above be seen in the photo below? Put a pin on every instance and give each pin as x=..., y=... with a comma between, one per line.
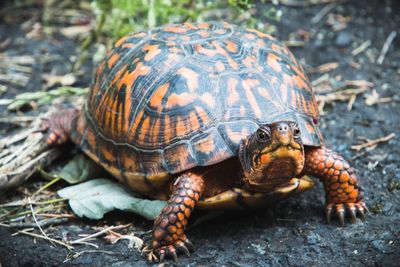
x=340, y=182
x=57, y=127
x=168, y=230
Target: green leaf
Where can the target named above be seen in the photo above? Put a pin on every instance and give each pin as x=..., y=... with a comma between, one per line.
x=79, y=169
x=94, y=198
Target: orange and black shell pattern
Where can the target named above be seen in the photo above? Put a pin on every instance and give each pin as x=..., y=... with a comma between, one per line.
x=181, y=96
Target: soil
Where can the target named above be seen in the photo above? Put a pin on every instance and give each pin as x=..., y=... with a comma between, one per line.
x=293, y=232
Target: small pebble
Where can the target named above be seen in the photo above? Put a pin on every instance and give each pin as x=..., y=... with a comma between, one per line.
x=313, y=238
x=343, y=39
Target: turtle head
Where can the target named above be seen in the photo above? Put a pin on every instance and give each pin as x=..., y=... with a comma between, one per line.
x=272, y=156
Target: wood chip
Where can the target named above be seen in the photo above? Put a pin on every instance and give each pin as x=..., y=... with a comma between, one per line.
x=374, y=98
x=324, y=67
x=337, y=22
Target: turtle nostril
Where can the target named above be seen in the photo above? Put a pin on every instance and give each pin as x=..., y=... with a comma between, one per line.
x=283, y=128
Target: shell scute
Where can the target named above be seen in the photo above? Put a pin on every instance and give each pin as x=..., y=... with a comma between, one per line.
x=210, y=147
x=179, y=157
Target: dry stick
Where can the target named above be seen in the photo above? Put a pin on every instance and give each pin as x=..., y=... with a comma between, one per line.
x=22, y=214
x=371, y=143
x=42, y=223
x=296, y=3
x=385, y=47
x=361, y=48
x=64, y=215
x=324, y=11
x=36, y=221
x=17, y=119
x=9, y=140
x=351, y=102
x=99, y=233
x=53, y=181
x=324, y=68
x=46, y=238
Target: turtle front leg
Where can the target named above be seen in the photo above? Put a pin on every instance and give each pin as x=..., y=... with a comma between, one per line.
x=57, y=127
x=168, y=230
x=340, y=182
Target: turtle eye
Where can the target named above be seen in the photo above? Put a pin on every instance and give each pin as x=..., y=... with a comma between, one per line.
x=263, y=136
x=296, y=131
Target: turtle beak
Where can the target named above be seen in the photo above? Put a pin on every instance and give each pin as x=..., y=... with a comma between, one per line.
x=281, y=133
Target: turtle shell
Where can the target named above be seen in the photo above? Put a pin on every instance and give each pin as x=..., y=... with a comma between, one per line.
x=180, y=96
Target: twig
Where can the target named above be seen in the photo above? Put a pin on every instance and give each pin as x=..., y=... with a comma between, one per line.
x=99, y=233
x=374, y=98
x=24, y=202
x=302, y=3
x=36, y=221
x=294, y=43
x=351, y=102
x=324, y=68
x=341, y=93
x=47, y=238
x=361, y=48
x=372, y=143
x=87, y=244
x=55, y=180
x=42, y=223
x=324, y=11
x=48, y=215
x=360, y=154
x=17, y=119
x=385, y=47
x=21, y=215
x=75, y=255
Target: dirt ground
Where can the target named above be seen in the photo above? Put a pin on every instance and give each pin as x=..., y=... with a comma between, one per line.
x=293, y=232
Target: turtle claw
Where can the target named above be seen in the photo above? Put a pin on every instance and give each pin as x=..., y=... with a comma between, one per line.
x=340, y=213
x=171, y=250
x=161, y=255
x=174, y=256
x=352, y=212
x=328, y=212
x=181, y=246
x=166, y=251
x=342, y=210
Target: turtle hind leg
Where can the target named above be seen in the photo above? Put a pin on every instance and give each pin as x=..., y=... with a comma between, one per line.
x=57, y=127
x=168, y=231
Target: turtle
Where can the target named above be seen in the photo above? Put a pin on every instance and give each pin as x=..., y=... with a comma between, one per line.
x=207, y=115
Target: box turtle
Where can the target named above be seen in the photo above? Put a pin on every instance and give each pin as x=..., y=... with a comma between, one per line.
x=206, y=115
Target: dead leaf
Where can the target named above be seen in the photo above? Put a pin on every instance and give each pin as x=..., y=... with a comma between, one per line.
x=112, y=237
x=134, y=241
x=37, y=32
